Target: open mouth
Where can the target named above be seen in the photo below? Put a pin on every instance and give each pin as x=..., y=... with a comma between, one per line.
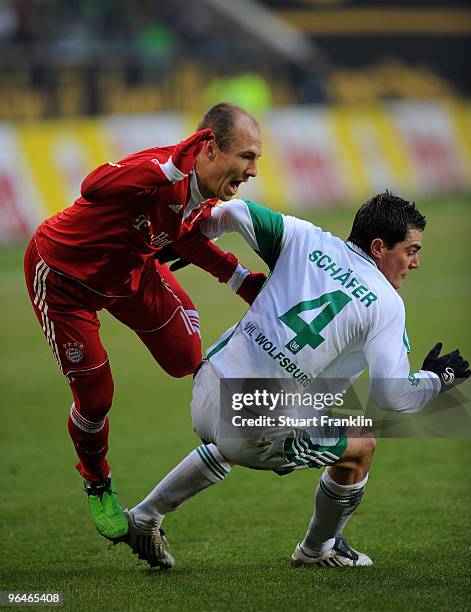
x=234, y=186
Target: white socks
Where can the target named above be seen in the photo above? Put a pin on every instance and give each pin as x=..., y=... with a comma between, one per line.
x=203, y=467
x=335, y=504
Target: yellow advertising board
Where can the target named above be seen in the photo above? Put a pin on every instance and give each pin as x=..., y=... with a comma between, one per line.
x=312, y=156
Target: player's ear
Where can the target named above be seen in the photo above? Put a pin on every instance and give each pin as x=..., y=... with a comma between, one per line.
x=210, y=149
x=376, y=247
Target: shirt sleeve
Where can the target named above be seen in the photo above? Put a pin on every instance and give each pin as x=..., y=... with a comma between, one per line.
x=261, y=228
x=393, y=386
x=129, y=178
x=198, y=250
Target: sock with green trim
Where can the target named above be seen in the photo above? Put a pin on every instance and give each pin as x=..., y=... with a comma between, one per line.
x=335, y=504
x=202, y=468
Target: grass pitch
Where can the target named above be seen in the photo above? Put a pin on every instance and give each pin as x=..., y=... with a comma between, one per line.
x=232, y=544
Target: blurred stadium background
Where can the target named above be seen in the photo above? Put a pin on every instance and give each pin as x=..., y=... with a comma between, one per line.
x=353, y=97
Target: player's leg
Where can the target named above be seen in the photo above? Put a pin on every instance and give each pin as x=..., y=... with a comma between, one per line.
x=72, y=333
x=88, y=427
x=88, y=423
x=202, y=468
x=165, y=319
x=176, y=346
x=338, y=495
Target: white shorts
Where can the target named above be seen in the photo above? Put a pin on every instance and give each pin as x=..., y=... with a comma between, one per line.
x=267, y=448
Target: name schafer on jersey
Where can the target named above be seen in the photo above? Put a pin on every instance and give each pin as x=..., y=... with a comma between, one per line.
x=326, y=312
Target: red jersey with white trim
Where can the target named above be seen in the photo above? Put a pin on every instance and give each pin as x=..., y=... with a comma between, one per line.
x=127, y=211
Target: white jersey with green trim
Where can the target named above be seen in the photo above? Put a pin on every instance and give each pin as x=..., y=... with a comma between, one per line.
x=326, y=311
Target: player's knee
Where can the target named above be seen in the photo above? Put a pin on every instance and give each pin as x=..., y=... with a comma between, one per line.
x=93, y=392
x=102, y=398
x=367, y=448
x=185, y=361
x=185, y=367
x=359, y=453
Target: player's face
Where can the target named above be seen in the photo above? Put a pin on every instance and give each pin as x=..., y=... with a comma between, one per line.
x=397, y=262
x=224, y=171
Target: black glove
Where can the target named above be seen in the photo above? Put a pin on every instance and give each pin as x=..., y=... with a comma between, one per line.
x=451, y=368
x=168, y=253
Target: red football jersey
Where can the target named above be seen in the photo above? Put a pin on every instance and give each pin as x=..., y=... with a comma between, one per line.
x=127, y=211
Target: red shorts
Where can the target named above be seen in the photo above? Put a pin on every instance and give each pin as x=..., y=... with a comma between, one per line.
x=160, y=313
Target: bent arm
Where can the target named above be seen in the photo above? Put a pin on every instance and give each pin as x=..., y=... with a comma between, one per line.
x=143, y=171
x=128, y=179
x=393, y=386
x=199, y=250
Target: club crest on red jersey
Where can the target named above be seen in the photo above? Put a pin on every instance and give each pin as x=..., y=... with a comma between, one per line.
x=73, y=351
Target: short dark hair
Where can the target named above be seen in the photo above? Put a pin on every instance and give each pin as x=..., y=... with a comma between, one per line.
x=221, y=119
x=385, y=216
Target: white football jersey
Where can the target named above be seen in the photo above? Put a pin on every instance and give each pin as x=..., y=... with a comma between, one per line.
x=326, y=311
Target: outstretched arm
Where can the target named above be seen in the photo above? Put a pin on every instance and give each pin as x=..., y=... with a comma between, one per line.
x=262, y=228
x=142, y=173
x=195, y=248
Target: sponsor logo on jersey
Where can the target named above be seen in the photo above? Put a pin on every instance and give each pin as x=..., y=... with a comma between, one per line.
x=160, y=240
x=141, y=222
x=73, y=351
x=175, y=207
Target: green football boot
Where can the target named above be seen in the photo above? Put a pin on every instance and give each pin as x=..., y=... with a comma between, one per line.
x=107, y=513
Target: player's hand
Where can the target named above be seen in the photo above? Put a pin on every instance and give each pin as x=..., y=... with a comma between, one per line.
x=168, y=253
x=251, y=286
x=185, y=153
x=451, y=368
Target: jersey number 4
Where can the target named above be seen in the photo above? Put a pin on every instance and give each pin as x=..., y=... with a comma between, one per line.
x=309, y=333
